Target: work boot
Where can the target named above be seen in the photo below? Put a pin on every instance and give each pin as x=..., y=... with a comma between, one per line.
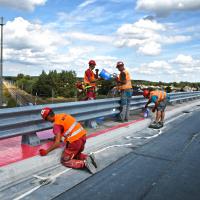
x=161, y=123
x=89, y=165
x=94, y=162
x=157, y=126
x=153, y=123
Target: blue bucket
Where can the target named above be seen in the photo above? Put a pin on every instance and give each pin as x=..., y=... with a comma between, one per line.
x=105, y=75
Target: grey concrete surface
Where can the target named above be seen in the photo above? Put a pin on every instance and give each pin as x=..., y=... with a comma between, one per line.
x=165, y=168
x=19, y=179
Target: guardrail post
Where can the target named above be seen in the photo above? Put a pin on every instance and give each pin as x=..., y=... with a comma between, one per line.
x=31, y=139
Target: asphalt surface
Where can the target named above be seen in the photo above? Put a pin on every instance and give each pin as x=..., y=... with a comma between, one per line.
x=168, y=167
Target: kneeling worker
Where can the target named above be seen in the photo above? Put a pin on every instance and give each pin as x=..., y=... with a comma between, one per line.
x=68, y=130
x=160, y=99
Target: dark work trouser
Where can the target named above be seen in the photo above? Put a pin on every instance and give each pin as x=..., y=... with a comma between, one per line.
x=125, y=104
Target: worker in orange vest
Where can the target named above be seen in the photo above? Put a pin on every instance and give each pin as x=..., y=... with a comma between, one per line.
x=90, y=79
x=69, y=131
x=125, y=87
x=160, y=99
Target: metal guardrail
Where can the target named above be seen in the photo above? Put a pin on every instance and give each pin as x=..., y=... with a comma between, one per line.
x=27, y=121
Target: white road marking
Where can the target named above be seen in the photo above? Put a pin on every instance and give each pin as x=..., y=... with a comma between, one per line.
x=50, y=179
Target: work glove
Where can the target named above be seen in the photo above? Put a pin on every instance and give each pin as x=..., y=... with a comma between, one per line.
x=43, y=152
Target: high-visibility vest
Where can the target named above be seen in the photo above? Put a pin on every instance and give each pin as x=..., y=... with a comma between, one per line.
x=72, y=129
x=92, y=78
x=128, y=84
x=160, y=94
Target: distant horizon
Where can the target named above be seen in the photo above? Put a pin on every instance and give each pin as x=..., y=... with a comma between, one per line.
x=131, y=80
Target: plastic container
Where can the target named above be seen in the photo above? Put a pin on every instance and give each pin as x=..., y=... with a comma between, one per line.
x=146, y=113
x=105, y=75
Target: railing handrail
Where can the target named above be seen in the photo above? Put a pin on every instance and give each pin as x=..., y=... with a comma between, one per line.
x=27, y=119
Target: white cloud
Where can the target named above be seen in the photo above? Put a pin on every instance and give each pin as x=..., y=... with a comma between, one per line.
x=183, y=59
x=21, y=34
x=86, y=3
x=187, y=63
x=28, y=5
x=149, y=24
x=181, y=68
x=175, y=39
x=147, y=36
x=150, y=48
x=89, y=37
x=82, y=14
x=32, y=46
x=163, y=8
x=31, y=43
x=154, y=68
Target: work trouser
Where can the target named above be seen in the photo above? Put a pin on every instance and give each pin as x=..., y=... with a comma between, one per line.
x=91, y=93
x=125, y=104
x=72, y=155
x=162, y=105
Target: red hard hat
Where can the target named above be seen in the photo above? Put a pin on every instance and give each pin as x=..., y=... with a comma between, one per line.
x=92, y=62
x=119, y=63
x=145, y=93
x=45, y=112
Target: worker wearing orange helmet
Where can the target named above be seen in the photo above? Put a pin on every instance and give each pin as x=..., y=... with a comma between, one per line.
x=125, y=87
x=159, y=98
x=69, y=131
x=90, y=79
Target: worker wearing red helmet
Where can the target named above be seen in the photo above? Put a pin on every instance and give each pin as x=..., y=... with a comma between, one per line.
x=125, y=86
x=90, y=79
x=69, y=131
x=159, y=98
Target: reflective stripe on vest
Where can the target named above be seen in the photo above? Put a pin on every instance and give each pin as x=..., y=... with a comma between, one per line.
x=70, y=129
x=76, y=132
x=65, y=138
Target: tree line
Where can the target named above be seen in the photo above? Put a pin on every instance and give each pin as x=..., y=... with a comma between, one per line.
x=63, y=84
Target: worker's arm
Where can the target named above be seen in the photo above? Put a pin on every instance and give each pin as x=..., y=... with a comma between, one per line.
x=154, y=99
x=155, y=107
x=55, y=145
x=123, y=79
x=148, y=102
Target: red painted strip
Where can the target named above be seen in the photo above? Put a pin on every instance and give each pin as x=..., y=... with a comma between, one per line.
x=13, y=151
x=113, y=128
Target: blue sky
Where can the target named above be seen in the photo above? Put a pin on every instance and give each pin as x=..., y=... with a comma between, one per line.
x=157, y=40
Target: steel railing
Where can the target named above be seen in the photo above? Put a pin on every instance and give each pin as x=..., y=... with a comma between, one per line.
x=27, y=120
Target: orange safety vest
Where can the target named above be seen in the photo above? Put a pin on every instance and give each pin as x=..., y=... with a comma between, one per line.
x=72, y=129
x=128, y=84
x=160, y=94
x=92, y=78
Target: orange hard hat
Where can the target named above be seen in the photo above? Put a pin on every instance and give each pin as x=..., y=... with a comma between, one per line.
x=145, y=93
x=45, y=112
x=92, y=62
